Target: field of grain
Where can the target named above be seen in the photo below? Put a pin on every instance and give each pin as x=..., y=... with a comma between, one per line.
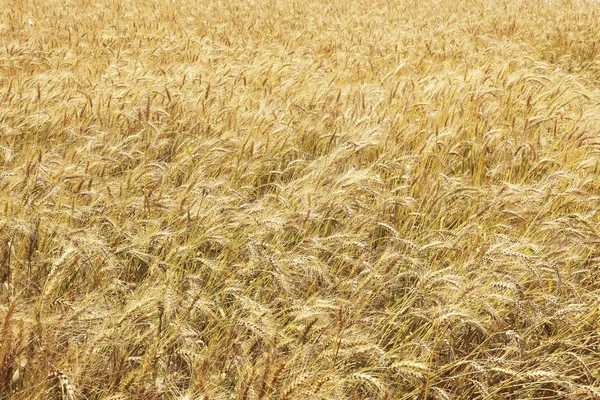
x=299, y=199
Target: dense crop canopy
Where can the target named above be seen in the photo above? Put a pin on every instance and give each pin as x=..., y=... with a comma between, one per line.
x=299, y=199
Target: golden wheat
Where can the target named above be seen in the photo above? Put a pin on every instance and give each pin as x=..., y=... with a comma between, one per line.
x=265, y=199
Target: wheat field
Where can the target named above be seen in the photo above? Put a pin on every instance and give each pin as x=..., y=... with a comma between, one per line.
x=299, y=199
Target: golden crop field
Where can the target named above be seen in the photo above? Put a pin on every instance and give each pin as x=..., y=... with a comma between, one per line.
x=283, y=199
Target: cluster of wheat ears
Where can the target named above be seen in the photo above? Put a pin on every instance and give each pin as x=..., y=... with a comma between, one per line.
x=282, y=199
